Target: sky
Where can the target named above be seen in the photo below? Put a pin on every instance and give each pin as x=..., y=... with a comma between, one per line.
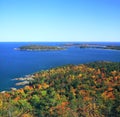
x=59, y=20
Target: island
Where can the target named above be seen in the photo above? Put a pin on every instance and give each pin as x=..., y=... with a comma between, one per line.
x=38, y=48
x=85, y=90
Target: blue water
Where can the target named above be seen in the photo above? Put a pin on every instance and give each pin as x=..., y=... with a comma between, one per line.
x=15, y=63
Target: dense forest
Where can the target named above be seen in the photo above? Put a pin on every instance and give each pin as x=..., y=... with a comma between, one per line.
x=86, y=90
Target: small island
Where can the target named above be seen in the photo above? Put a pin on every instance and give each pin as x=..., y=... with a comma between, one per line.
x=38, y=48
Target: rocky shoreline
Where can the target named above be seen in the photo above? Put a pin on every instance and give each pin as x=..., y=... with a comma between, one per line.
x=24, y=80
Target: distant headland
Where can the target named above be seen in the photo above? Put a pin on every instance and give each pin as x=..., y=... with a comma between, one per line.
x=114, y=47
x=99, y=46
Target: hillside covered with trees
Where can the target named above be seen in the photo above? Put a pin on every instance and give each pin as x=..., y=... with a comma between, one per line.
x=86, y=90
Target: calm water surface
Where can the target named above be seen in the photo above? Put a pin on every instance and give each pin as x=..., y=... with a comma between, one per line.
x=20, y=63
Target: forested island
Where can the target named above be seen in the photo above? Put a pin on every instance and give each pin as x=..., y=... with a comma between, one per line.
x=86, y=90
x=38, y=48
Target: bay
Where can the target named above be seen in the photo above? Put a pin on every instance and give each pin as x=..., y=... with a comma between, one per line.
x=14, y=64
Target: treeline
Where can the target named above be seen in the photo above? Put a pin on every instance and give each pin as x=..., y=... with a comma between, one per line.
x=86, y=90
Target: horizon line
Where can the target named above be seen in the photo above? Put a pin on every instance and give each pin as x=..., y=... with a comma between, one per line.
x=59, y=41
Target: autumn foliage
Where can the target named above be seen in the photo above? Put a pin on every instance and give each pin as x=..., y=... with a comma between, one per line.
x=86, y=90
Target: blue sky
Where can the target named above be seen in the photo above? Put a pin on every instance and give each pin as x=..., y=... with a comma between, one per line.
x=59, y=20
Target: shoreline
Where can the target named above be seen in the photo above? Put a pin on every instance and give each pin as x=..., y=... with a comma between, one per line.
x=22, y=81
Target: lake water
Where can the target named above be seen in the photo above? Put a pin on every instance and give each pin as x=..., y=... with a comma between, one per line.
x=15, y=63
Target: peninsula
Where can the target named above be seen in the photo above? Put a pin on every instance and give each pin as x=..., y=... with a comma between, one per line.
x=99, y=46
x=88, y=45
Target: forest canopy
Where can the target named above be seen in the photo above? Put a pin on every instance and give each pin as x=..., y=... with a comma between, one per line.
x=86, y=90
